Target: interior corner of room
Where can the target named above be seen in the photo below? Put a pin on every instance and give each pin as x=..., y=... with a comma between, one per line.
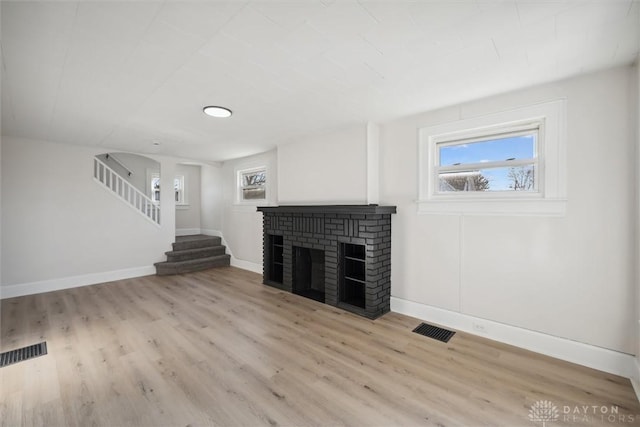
x=555, y=272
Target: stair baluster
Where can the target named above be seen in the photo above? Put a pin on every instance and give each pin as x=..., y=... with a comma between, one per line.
x=126, y=192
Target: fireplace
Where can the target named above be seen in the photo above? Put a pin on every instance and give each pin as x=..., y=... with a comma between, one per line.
x=337, y=254
x=308, y=273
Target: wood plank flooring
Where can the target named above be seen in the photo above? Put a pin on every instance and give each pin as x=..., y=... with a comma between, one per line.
x=219, y=348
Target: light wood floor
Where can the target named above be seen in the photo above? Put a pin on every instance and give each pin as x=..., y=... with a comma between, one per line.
x=220, y=348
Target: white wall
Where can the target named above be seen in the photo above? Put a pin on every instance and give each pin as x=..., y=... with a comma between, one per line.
x=242, y=224
x=1, y=215
x=62, y=229
x=188, y=215
x=328, y=168
x=570, y=277
x=637, y=253
x=211, y=199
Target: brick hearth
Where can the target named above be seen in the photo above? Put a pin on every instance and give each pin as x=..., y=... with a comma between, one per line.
x=339, y=231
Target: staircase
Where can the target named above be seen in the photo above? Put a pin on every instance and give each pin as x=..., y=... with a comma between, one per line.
x=193, y=253
x=110, y=180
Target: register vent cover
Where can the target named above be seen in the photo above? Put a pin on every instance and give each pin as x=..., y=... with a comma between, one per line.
x=14, y=356
x=434, y=332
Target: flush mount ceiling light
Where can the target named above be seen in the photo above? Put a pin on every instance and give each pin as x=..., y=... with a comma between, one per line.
x=215, y=111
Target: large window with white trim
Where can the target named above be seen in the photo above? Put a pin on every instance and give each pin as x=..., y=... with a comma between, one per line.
x=512, y=162
x=501, y=160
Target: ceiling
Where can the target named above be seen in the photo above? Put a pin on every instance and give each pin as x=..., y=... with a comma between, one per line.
x=124, y=75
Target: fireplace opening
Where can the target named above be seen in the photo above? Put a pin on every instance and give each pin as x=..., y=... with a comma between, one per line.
x=308, y=273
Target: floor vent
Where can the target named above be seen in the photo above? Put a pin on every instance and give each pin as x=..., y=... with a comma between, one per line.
x=434, y=332
x=24, y=353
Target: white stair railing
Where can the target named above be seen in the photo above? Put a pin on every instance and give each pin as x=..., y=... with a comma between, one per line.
x=109, y=179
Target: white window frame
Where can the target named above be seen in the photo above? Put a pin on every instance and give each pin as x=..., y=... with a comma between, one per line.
x=239, y=195
x=504, y=131
x=549, y=197
x=182, y=199
x=183, y=202
x=150, y=177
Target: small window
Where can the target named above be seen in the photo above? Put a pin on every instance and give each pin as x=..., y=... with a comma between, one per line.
x=495, y=163
x=155, y=187
x=178, y=187
x=252, y=184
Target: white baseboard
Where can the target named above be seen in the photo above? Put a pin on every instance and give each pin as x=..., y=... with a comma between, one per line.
x=235, y=262
x=39, y=287
x=247, y=265
x=210, y=232
x=187, y=231
x=591, y=356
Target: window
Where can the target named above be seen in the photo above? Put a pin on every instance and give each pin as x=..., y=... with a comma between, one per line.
x=505, y=163
x=252, y=184
x=178, y=186
x=155, y=187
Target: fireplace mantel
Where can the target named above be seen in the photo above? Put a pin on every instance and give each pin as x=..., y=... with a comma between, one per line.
x=336, y=254
x=329, y=209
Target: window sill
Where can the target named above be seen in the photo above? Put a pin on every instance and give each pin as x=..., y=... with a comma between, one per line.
x=183, y=207
x=519, y=207
x=250, y=206
x=252, y=203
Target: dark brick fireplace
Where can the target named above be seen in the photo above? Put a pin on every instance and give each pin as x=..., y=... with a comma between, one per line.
x=336, y=254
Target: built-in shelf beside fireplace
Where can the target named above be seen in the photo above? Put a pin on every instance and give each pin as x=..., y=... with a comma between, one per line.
x=336, y=254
